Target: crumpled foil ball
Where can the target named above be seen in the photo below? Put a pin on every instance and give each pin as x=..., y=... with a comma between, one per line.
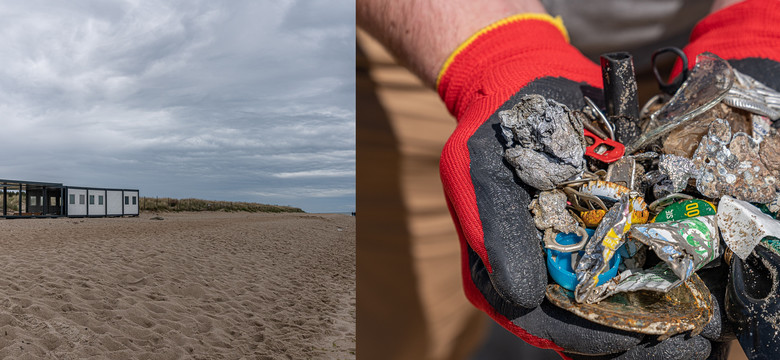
x=545, y=141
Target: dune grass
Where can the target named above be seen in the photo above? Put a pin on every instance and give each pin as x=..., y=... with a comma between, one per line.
x=173, y=205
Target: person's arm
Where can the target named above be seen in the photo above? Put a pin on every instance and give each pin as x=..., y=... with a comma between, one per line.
x=422, y=34
x=720, y=4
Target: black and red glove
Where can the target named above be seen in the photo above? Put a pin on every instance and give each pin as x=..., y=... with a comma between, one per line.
x=504, y=273
x=747, y=34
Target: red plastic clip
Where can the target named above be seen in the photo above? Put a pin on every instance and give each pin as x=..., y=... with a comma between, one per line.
x=610, y=150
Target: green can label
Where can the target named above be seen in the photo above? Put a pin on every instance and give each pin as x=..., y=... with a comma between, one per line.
x=685, y=209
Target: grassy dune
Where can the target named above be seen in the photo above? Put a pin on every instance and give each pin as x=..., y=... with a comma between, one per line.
x=170, y=204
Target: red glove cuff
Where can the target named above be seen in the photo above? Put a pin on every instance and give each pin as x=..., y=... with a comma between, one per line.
x=749, y=29
x=499, y=60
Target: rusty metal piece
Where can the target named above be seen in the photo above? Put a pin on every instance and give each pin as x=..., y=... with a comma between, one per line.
x=684, y=308
x=743, y=225
x=613, y=192
x=708, y=83
x=592, y=218
x=594, y=129
x=727, y=254
x=545, y=141
x=678, y=169
x=730, y=165
x=551, y=216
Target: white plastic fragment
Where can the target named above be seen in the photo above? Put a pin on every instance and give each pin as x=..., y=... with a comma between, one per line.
x=743, y=225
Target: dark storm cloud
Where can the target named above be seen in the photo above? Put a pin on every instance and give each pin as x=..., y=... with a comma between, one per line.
x=234, y=100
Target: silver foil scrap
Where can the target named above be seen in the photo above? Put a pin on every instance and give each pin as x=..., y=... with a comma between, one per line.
x=545, y=141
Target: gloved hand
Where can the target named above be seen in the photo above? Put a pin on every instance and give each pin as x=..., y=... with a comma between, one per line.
x=747, y=35
x=504, y=272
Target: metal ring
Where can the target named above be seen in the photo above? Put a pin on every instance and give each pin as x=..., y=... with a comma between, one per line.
x=671, y=87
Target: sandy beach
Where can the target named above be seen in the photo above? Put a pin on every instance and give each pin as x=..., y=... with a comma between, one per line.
x=191, y=286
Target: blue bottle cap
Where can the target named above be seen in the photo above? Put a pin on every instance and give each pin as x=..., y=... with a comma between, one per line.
x=560, y=267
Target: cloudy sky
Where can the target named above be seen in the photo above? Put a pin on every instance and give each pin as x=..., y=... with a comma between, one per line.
x=222, y=100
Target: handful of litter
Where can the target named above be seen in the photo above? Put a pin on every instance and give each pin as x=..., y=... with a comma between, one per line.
x=632, y=203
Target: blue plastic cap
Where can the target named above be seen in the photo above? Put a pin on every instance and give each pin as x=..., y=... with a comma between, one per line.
x=560, y=267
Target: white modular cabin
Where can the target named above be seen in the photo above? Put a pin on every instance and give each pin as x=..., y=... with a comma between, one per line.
x=76, y=201
x=33, y=199
x=98, y=202
x=130, y=202
x=114, y=203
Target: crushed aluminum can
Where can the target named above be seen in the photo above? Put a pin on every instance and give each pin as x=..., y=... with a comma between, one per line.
x=684, y=308
x=685, y=246
x=633, y=254
x=545, y=141
x=601, y=247
x=551, y=216
x=743, y=225
x=730, y=165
